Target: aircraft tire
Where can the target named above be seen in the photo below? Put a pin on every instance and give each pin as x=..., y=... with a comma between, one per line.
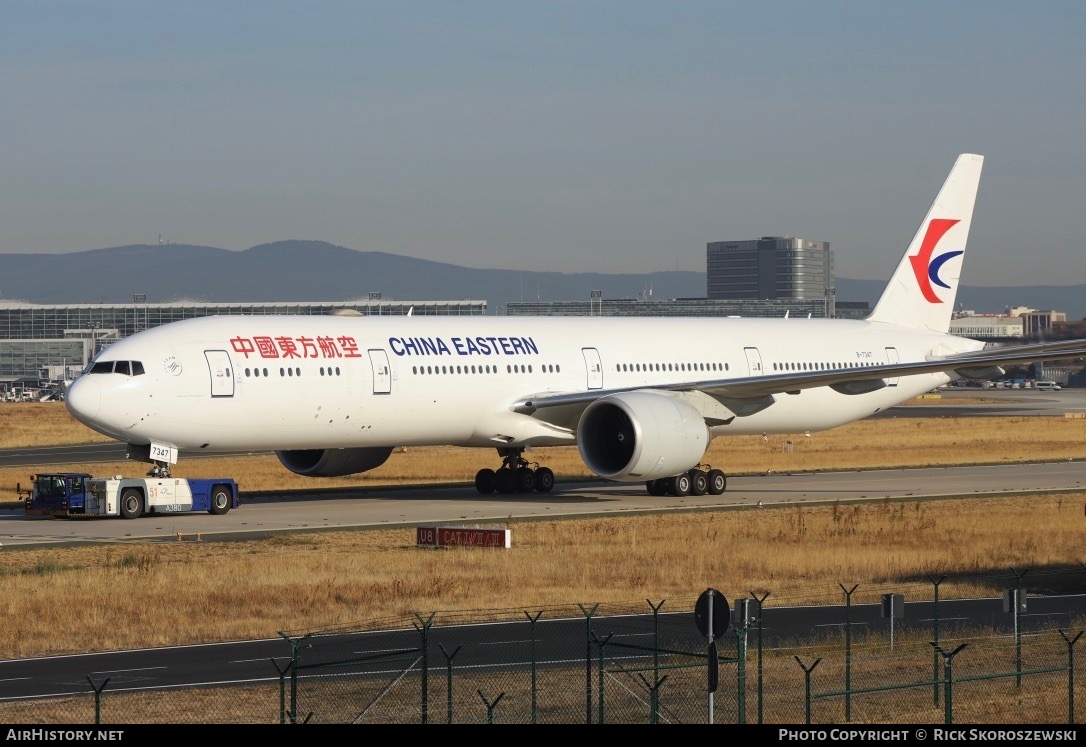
x=485, y=481
x=505, y=481
x=718, y=482
x=544, y=480
x=679, y=485
x=699, y=482
x=525, y=479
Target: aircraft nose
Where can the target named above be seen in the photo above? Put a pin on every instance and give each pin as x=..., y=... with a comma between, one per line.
x=84, y=399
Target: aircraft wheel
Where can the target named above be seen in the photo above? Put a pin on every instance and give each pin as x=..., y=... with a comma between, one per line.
x=131, y=503
x=718, y=481
x=505, y=481
x=699, y=482
x=679, y=485
x=220, y=500
x=485, y=481
x=525, y=479
x=544, y=480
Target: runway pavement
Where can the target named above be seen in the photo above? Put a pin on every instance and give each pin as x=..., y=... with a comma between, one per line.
x=459, y=505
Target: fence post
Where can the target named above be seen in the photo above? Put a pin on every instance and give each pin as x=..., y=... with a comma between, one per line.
x=490, y=706
x=535, y=663
x=294, y=643
x=655, y=637
x=741, y=674
x=935, y=633
x=948, y=680
x=848, y=649
x=1071, y=675
x=602, y=670
x=759, y=621
x=807, y=680
x=424, y=628
x=1018, y=628
x=98, y=699
x=588, y=661
x=448, y=680
x=282, y=691
x=654, y=697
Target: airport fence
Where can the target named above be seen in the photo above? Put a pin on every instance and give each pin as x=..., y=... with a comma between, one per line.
x=644, y=663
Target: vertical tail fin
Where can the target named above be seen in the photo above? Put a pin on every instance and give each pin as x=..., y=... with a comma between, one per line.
x=922, y=290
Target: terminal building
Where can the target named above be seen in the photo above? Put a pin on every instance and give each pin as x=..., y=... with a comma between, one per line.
x=41, y=342
x=1017, y=323
x=672, y=307
x=988, y=327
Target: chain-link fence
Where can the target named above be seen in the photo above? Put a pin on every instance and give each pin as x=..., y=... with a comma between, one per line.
x=640, y=663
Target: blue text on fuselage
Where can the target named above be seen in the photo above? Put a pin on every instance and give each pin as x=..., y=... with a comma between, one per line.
x=463, y=346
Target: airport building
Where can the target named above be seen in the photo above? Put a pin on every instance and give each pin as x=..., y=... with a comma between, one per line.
x=771, y=268
x=40, y=342
x=1018, y=323
x=676, y=307
x=987, y=326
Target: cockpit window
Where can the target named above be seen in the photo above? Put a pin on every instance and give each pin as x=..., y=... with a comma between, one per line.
x=128, y=368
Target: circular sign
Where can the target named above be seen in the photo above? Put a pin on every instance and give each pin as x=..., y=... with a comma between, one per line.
x=720, y=613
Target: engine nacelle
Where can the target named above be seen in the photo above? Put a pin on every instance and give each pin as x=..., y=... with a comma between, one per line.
x=333, y=462
x=641, y=436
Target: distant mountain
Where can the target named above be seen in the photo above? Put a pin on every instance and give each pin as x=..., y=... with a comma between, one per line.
x=318, y=271
x=301, y=271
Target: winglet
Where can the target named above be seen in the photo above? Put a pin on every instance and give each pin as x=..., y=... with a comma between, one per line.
x=922, y=290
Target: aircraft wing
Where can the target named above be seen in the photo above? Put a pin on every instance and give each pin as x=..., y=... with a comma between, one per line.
x=750, y=394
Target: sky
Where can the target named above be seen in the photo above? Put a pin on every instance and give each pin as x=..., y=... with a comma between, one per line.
x=552, y=136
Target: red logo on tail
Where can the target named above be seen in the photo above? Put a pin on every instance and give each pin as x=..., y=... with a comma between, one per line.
x=925, y=270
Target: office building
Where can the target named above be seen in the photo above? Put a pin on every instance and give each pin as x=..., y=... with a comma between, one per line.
x=771, y=268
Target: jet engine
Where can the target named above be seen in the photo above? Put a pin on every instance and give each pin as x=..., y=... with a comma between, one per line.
x=333, y=462
x=636, y=436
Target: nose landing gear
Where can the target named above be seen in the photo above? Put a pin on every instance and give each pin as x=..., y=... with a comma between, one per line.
x=516, y=475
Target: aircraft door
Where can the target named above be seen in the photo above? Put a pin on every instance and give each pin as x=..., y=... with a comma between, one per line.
x=892, y=357
x=222, y=373
x=382, y=372
x=754, y=361
x=594, y=368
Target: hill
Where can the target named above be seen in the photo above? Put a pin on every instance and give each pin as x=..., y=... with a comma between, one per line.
x=319, y=271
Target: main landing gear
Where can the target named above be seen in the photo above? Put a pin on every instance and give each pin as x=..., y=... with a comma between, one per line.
x=698, y=481
x=516, y=475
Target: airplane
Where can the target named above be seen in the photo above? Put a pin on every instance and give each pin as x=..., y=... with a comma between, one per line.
x=641, y=397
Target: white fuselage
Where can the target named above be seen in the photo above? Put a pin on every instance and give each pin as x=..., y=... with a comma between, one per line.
x=275, y=383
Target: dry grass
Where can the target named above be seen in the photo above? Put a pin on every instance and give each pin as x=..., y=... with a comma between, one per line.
x=42, y=424
x=310, y=581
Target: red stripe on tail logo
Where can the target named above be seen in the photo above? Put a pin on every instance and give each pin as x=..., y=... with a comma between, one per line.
x=924, y=267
